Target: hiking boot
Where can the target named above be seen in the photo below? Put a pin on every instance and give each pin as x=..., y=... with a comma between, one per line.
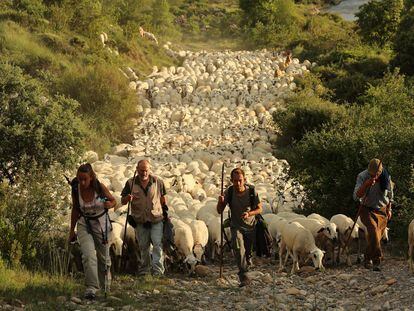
x=368, y=265
x=90, y=294
x=244, y=280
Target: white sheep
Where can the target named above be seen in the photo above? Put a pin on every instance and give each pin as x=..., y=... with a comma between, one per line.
x=300, y=244
x=275, y=225
x=324, y=233
x=200, y=236
x=147, y=35
x=290, y=215
x=214, y=234
x=183, y=240
x=344, y=225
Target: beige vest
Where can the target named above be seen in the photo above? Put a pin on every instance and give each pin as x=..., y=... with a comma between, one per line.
x=146, y=207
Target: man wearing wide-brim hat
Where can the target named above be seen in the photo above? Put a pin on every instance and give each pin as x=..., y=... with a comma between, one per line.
x=374, y=190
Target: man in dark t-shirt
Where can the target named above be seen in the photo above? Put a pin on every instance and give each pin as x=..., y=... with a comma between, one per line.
x=244, y=205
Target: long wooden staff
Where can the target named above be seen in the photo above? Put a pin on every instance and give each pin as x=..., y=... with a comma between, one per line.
x=221, y=222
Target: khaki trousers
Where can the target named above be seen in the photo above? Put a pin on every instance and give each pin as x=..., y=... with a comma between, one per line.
x=93, y=257
x=376, y=222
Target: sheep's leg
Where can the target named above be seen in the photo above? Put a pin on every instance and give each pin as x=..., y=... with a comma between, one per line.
x=281, y=249
x=295, y=266
x=410, y=256
x=359, y=257
x=288, y=252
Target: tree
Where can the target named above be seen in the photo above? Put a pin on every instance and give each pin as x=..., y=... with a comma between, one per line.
x=162, y=19
x=34, y=127
x=404, y=44
x=378, y=20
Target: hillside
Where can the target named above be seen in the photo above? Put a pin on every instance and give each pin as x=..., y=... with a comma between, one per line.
x=298, y=98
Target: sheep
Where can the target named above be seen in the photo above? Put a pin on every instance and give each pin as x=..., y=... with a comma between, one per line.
x=344, y=225
x=275, y=225
x=300, y=243
x=324, y=233
x=183, y=240
x=215, y=106
x=147, y=35
x=411, y=245
x=200, y=236
x=104, y=38
x=214, y=233
x=290, y=215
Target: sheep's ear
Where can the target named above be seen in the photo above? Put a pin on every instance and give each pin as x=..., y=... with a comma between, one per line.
x=321, y=230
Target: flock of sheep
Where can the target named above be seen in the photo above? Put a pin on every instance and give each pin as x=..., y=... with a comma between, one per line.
x=217, y=109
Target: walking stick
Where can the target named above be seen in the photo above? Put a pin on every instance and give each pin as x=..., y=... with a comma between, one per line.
x=106, y=256
x=126, y=224
x=221, y=222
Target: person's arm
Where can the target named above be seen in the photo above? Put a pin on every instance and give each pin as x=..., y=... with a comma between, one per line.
x=163, y=192
x=362, y=186
x=74, y=216
x=126, y=194
x=111, y=200
x=258, y=210
x=221, y=203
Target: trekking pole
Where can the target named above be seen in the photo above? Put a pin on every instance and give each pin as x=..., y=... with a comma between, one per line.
x=106, y=255
x=221, y=223
x=123, y=254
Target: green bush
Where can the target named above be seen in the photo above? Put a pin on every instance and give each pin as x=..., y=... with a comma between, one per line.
x=306, y=113
x=349, y=71
x=404, y=44
x=28, y=213
x=35, y=128
x=327, y=162
x=378, y=20
x=107, y=105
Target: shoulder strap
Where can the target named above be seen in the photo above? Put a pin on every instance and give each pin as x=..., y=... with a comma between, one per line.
x=252, y=196
x=75, y=192
x=229, y=195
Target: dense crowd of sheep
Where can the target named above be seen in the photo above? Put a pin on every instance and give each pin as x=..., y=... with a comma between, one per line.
x=217, y=109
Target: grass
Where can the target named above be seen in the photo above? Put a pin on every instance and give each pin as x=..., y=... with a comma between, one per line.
x=204, y=42
x=37, y=290
x=42, y=291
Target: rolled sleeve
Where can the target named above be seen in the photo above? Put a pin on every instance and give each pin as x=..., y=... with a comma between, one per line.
x=127, y=189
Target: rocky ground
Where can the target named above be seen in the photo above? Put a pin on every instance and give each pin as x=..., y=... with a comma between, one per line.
x=339, y=288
